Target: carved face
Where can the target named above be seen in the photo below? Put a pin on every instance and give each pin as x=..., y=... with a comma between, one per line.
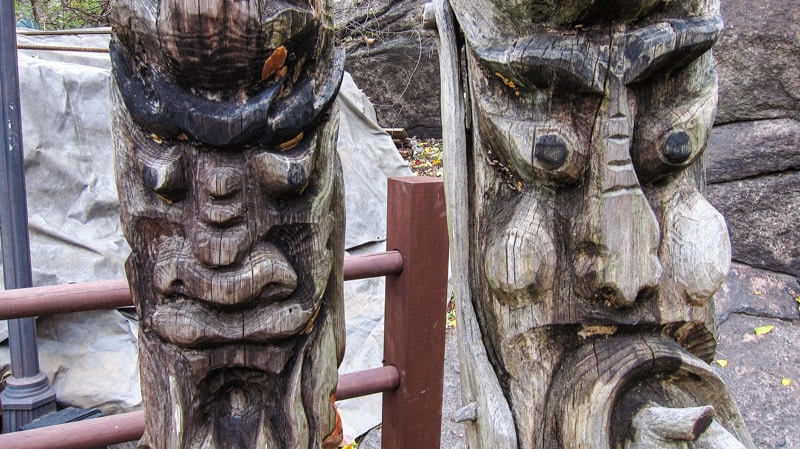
x=231, y=200
x=589, y=134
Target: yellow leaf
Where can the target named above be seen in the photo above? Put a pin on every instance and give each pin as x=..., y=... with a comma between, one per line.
x=757, y=292
x=722, y=362
x=761, y=330
x=590, y=331
x=786, y=381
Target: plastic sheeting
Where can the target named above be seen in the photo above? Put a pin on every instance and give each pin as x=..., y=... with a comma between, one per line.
x=76, y=236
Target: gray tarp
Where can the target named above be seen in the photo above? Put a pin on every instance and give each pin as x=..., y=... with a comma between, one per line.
x=76, y=237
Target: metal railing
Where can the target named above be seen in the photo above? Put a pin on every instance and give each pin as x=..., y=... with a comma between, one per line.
x=411, y=379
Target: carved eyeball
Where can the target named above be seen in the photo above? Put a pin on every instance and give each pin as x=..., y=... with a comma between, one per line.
x=550, y=150
x=165, y=176
x=286, y=172
x=678, y=147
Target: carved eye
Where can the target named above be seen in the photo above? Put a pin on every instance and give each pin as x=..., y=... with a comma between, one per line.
x=678, y=147
x=164, y=174
x=550, y=150
x=286, y=172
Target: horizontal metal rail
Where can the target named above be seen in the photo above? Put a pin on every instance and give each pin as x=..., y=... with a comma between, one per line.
x=126, y=427
x=362, y=383
x=68, y=298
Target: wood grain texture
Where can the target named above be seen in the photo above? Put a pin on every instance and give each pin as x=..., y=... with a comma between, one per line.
x=231, y=200
x=571, y=177
x=493, y=425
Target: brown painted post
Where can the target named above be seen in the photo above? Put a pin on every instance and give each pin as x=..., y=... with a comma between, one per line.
x=415, y=313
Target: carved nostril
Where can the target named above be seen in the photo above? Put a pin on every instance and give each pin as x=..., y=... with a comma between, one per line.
x=646, y=294
x=608, y=295
x=613, y=296
x=678, y=147
x=550, y=150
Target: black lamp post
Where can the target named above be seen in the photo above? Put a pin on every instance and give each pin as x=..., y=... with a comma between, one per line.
x=28, y=394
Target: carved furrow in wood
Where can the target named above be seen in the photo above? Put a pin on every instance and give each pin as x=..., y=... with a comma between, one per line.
x=231, y=199
x=589, y=243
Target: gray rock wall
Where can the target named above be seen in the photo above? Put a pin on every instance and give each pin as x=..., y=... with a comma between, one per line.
x=394, y=61
x=754, y=151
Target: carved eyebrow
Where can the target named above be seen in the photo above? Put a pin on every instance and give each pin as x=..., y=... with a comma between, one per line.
x=581, y=61
x=547, y=60
x=167, y=110
x=667, y=45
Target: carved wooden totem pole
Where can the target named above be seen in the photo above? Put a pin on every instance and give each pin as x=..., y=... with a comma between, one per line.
x=585, y=259
x=231, y=199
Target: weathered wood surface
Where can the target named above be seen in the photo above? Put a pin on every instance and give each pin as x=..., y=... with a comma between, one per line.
x=480, y=388
x=585, y=241
x=231, y=200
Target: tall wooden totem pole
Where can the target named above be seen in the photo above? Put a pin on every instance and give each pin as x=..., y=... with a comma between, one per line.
x=231, y=199
x=585, y=258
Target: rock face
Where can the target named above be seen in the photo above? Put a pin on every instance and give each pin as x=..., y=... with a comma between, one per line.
x=394, y=61
x=754, y=150
x=757, y=60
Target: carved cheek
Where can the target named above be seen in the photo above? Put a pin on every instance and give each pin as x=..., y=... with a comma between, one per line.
x=520, y=259
x=697, y=241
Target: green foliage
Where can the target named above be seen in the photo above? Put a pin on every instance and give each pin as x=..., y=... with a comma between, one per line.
x=64, y=14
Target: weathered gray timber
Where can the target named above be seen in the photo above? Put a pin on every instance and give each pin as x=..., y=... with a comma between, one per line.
x=585, y=258
x=231, y=199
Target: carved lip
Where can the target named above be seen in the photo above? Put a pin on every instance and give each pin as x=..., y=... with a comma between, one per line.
x=201, y=306
x=264, y=275
x=189, y=323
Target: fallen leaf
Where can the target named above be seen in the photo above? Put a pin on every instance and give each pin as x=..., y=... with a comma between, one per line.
x=274, y=62
x=722, y=362
x=786, y=381
x=156, y=139
x=590, y=331
x=291, y=143
x=761, y=330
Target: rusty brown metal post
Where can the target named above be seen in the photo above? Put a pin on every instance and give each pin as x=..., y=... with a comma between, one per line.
x=415, y=313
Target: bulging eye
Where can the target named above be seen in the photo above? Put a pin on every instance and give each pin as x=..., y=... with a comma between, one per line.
x=286, y=172
x=536, y=150
x=671, y=133
x=164, y=173
x=678, y=147
x=550, y=151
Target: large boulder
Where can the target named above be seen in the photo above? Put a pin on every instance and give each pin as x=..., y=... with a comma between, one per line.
x=394, y=61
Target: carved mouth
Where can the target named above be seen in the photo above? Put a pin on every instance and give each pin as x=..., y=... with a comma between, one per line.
x=265, y=275
x=190, y=323
x=199, y=306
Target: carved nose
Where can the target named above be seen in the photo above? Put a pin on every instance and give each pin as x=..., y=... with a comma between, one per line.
x=220, y=237
x=616, y=255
